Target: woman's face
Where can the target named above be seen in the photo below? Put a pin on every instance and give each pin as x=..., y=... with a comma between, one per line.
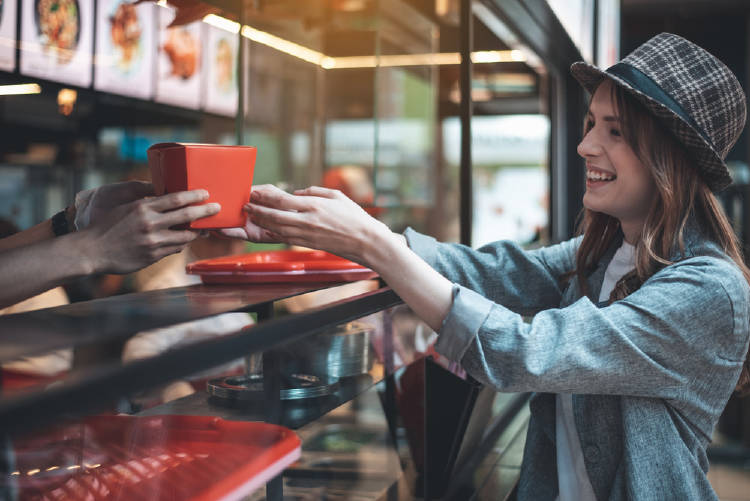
x=617, y=182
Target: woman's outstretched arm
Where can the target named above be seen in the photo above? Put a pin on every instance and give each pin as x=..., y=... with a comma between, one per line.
x=524, y=281
x=325, y=219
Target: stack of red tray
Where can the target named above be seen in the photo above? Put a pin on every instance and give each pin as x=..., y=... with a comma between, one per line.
x=279, y=266
x=198, y=458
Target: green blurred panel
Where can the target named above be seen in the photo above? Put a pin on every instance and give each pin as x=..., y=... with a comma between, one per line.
x=419, y=97
x=256, y=247
x=268, y=162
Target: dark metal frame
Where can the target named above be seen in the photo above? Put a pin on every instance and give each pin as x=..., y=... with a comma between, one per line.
x=466, y=171
x=118, y=317
x=104, y=384
x=536, y=25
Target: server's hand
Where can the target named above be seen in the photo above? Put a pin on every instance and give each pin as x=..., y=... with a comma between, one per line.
x=133, y=235
x=94, y=204
x=121, y=239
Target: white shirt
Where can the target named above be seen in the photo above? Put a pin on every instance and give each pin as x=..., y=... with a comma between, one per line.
x=572, y=479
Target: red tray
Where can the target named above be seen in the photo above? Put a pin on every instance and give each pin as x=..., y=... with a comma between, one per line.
x=280, y=266
x=195, y=458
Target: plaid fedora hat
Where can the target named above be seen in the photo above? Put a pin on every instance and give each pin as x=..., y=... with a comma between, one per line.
x=689, y=91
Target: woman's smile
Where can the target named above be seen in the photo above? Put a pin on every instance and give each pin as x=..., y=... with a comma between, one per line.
x=596, y=177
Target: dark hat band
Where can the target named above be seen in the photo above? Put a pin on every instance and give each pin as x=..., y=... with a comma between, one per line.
x=642, y=83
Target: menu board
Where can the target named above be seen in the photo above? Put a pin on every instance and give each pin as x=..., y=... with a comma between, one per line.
x=125, y=48
x=178, y=78
x=8, y=35
x=57, y=40
x=220, y=94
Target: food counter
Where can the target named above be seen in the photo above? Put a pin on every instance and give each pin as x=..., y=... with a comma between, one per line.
x=388, y=420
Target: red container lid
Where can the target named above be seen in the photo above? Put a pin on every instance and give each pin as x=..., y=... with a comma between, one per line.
x=197, y=458
x=280, y=266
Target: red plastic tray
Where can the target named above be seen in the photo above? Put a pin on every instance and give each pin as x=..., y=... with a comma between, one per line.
x=195, y=458
x=280, y=266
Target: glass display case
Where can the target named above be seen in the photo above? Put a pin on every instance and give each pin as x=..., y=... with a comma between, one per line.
x=379, y=414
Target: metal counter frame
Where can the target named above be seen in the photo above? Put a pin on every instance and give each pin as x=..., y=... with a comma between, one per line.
x=92, y=388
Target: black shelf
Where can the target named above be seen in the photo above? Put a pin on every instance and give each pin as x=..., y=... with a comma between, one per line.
x=116, y=317
x=294, y=413
x=93, y=388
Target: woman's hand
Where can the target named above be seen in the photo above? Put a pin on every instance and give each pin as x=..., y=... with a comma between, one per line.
x=251, y=232
x=325, y=219
x=319, y=218
x=131, y=235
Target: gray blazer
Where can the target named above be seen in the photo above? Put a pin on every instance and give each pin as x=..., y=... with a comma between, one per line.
x=650, y=374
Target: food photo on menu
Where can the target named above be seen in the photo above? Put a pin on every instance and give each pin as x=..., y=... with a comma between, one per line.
x=57, y=40
x=224, y=63
x=58, y=22
x=125, y=33
x=180, y=59
x=125, y=48
x=8, y=34
x=221, y=90
x=183, y=50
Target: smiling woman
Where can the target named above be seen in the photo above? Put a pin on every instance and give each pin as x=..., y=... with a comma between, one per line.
x=640, y=326
x=617, y=182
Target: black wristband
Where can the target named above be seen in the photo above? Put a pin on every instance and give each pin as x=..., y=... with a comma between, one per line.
x=60, y=223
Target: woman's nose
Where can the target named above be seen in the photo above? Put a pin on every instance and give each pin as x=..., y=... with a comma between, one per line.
x=588, y=146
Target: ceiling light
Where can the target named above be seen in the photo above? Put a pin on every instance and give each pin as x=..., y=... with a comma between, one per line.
x=282, y=45
x=222, y=23
x=13, y=90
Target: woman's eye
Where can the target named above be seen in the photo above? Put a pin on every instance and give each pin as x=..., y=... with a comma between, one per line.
x=589, y=124
x=615, y=132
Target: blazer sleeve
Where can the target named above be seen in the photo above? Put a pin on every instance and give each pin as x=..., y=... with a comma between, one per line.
x=687, y=321
x=523, y=281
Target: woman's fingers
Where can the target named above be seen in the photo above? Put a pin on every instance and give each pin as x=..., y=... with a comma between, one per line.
x=173, y=201
x=239, y=233
x=319, y=191
x=270, y=218
x=271, y=196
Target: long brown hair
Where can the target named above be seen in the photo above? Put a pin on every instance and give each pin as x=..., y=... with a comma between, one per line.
x=681, y=193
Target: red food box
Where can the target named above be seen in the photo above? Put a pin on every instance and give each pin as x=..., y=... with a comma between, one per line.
x=226, y=172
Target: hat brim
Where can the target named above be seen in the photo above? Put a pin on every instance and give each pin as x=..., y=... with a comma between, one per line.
x=710, y=164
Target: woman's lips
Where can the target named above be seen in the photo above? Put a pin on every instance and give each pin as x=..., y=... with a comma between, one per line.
x=595, y=174
x=597, y=177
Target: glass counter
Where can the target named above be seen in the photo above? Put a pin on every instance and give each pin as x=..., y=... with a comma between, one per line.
x=352, y=373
